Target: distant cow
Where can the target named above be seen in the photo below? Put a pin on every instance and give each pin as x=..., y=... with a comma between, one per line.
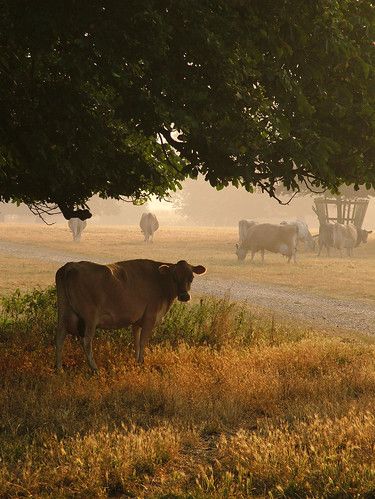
x=325, y=237
x=149, y=224
x=275, y=238
x=243, y=227
x=341, y=237
x=304, y=234
x=135, y=293
x=76, y=226
x=348, y=237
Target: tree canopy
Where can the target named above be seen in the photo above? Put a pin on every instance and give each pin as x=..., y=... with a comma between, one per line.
x=128, y=98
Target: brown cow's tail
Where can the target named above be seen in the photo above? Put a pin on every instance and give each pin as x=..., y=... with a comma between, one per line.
x=62, y=278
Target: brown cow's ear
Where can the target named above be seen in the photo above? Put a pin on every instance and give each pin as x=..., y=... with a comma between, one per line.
x=199, y=269
x=163, y=269
x=369, y=231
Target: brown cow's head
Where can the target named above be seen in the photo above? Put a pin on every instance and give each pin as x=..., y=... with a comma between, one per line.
x=241, y=252
x=182, y=274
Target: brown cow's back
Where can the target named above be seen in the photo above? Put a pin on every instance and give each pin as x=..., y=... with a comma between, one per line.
x=116, y=294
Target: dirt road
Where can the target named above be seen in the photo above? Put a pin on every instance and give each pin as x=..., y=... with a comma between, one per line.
x=350, y=314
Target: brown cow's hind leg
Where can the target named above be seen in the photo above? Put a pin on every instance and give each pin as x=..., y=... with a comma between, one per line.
x=87, y=346
x=60, y=337
x=67, y=323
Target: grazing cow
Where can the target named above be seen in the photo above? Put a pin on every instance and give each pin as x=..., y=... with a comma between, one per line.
x=149, y=224
x=275, y=238
x=341, y=237
x=303, y=232
x=135, y=293
x=76, y=225
x=243, y=227
x=325, y=237
x=348, y=237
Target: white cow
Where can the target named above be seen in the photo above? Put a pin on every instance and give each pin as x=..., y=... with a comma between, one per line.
x=303, y=232
x=149, y=224
x=76, y=225
x=243, y=227
x=275, y=238
x=348, y=237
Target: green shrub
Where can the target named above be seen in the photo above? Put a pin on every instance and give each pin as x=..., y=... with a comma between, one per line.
x=214, y=322
x=29, y=305
x=31, y=314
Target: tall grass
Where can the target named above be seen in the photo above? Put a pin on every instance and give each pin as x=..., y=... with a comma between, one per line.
x=229, y=403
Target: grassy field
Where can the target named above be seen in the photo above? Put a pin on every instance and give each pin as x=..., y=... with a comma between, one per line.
x=228, y=404
x=213, y=247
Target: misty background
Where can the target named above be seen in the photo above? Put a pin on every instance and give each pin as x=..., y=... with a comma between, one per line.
x=197, y=204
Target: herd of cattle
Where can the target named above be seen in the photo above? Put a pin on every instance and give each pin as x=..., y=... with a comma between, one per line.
x=285, y=237
x=282, y=238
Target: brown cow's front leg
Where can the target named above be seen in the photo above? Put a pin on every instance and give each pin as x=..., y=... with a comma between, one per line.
x=145, y=336
x=137, y=338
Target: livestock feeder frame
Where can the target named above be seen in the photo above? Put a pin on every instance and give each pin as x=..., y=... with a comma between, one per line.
x=341, y=210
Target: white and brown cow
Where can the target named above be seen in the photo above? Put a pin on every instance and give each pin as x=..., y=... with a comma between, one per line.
x=348, y=237
x=243, y=228
x=275, y=238
x=304, y=234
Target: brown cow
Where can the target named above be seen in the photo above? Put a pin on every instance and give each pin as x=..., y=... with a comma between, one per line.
x=135, y=293
x=275, y=238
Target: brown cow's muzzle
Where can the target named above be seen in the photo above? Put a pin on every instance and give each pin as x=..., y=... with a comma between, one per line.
x=183, y=296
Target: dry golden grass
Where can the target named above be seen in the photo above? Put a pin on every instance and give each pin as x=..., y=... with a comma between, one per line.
x=191, y=421
x=213, y=247
x=281, y=412
x=24, y=274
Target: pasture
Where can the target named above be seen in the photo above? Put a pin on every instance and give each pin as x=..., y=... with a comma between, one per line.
x=230, y=401
x=213, y=247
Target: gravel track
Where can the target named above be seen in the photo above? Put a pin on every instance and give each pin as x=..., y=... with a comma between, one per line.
x=342, y=313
